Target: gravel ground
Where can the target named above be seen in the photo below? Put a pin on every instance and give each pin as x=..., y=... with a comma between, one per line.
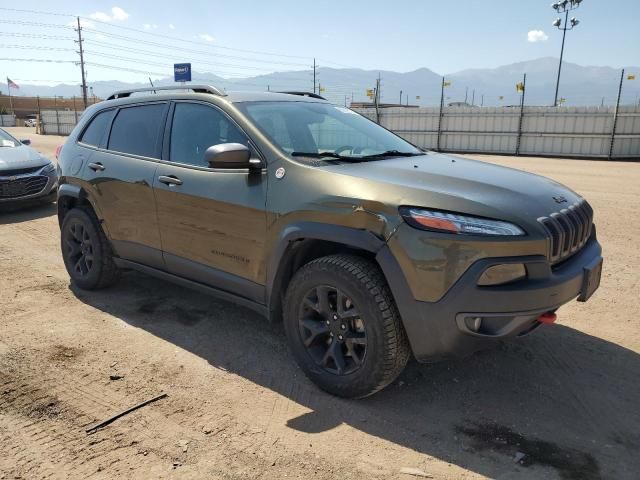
x=562, y=403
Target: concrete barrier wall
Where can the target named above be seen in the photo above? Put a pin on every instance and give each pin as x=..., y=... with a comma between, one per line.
x=548, y=131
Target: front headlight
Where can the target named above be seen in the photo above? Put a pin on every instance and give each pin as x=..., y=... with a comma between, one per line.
x=49, y=169
x=455, y=223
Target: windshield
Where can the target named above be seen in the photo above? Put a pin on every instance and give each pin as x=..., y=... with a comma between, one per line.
x=321, y=130
x=7, y=140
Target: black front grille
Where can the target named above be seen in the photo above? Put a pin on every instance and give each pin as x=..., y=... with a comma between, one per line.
x=569, y=229
x=22, y=187
x=19, y=171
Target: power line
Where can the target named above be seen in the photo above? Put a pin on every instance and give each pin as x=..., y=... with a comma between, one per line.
x=48, y=60
x=38, y=47
x=162, y=45
x=159, y=35
x=35, y=35
x=36, y=24
x=35, y=11
x=164, y=55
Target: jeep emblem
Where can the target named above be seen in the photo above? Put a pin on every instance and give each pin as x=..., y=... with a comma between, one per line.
x=280, y=173
x=560, y=199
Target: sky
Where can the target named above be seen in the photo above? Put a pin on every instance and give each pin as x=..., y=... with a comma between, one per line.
x=444, y=36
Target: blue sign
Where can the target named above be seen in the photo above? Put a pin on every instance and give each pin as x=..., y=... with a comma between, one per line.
x=182, y=72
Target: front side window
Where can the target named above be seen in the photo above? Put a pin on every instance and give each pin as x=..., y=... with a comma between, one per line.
x=96, y=134
x=136, y=129
x=317, y=129
x=197, y=127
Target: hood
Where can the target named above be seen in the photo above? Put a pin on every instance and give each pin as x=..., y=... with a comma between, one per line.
x=461, y=185
x=12, y=158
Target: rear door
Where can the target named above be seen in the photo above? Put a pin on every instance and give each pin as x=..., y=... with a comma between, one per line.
x=212, y=221
x=121, y=169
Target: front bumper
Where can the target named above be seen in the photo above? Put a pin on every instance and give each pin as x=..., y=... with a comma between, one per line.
x=441, y=329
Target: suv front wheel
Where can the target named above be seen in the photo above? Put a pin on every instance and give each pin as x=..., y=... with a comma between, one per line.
x=343, y=327
x=86, y=251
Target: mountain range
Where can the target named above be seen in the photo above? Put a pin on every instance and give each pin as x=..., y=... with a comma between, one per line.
x=580, y=85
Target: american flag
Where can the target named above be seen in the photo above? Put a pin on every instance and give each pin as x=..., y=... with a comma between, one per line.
x=12, y=84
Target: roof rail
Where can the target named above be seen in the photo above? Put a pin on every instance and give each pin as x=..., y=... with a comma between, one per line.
x=305, y=94
x=196, y=88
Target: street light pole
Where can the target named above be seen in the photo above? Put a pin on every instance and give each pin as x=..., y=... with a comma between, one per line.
x=564, y=6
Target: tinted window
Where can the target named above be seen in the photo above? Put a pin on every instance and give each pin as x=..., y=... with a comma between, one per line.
x=95, y=134
x=195, y=128
x=135, y=130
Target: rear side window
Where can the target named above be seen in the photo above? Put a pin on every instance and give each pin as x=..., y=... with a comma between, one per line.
x=197, y=127
x=135, y=130
x=96, y=133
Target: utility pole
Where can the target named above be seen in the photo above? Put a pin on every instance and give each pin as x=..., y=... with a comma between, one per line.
x=482, y=100
x=377, y=99
x=524, y=90
x=615, y=116
x=81, y=52
x=466, y=94
x=314, y=76
x=473, y=97
x=400, y=97
x=440, y=114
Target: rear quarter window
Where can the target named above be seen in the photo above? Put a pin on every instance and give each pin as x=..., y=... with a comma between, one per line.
x=136, y=130
x=96, y=133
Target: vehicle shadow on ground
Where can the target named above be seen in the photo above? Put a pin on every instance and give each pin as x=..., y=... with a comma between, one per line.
x=563, y=403
x=21, y=213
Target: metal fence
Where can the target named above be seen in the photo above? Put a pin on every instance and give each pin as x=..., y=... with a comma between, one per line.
x=544, y=131
x=58, y=122
x=7, y=120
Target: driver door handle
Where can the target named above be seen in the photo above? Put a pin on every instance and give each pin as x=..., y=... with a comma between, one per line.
x=96, y=166
x=169, y=180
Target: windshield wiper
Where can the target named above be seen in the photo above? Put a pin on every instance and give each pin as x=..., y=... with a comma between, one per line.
x=392, y=153
x=321, y=155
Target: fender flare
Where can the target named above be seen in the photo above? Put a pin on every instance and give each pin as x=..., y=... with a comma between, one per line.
x=71, y=190
x=352, y=237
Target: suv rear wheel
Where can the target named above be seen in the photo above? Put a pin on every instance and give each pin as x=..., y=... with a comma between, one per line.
x=86, y=251
x=343, y=327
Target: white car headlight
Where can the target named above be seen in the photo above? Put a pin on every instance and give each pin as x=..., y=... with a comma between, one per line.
x=456, y=223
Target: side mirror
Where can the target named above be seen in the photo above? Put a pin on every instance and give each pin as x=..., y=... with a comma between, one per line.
x=230, y=155
x=26, y=141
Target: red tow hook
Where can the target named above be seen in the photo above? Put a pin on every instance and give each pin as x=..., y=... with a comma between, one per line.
x=547, y=318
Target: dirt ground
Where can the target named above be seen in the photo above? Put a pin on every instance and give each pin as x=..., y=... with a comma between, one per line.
x=563, y=403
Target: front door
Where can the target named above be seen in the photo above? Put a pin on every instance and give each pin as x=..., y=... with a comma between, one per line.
x=212, y=221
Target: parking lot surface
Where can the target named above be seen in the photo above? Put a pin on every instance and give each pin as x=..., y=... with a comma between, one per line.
x=562, y=403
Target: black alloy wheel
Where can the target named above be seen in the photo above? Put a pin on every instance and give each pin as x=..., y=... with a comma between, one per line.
x=332, y=330
x=79, y=248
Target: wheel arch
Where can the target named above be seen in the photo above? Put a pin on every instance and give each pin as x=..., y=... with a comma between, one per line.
x=302, y=242
x=71, y=196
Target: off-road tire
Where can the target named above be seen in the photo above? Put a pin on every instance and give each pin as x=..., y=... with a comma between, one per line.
x=387, y=345
x=104, y=271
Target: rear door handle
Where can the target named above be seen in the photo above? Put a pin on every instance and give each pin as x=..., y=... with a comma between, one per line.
x=96, y=166
x=169, y=180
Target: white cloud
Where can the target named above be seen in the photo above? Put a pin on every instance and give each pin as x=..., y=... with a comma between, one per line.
x=172, y=26
x=117, y=15
x=100, y=16
x=537, y=36
x=206, y=37
x=150, y=26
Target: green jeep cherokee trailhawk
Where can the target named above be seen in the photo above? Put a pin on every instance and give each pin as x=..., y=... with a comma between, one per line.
x=369, y=248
